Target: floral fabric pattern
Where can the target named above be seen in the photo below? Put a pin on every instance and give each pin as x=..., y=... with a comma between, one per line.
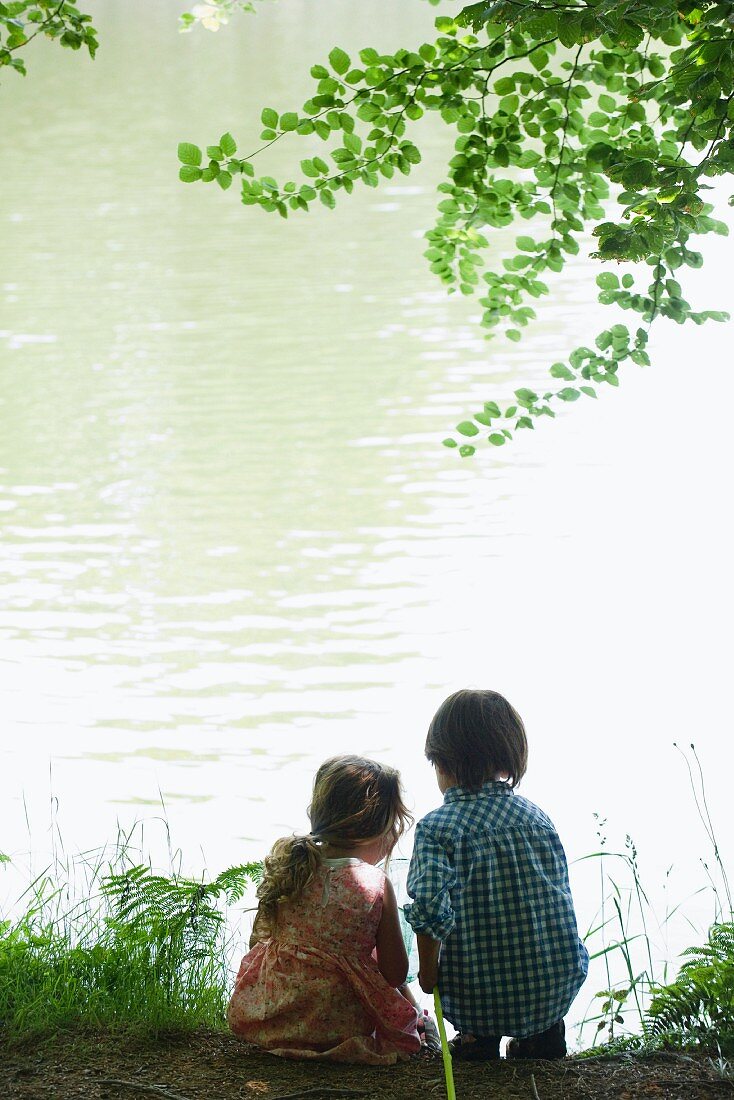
x=313, y=990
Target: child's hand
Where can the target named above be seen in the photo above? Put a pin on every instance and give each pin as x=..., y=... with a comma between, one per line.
x=427, y=981
x=429, y=951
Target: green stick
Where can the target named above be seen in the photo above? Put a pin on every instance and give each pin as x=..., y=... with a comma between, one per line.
x=448, y=1069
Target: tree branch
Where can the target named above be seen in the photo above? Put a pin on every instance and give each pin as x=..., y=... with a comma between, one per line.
x=45, y=23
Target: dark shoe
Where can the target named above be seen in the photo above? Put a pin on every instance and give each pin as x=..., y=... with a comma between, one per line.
x=481, y=1049
x=550, y=1044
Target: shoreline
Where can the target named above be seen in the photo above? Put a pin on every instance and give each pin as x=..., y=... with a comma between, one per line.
x=214, y=1065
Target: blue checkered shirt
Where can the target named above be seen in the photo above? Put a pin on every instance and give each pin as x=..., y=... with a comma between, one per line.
x=489, y=879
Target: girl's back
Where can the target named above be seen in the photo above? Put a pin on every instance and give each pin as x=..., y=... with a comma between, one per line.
x=338, y=912
x=313, y=989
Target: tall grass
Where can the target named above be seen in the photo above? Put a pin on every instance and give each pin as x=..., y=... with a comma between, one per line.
x=102, y=941
x=638, y=999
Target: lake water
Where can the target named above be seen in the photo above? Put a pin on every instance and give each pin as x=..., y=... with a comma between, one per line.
x=231, y=542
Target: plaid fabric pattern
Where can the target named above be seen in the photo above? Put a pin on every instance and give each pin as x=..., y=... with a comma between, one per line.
x=489, y=879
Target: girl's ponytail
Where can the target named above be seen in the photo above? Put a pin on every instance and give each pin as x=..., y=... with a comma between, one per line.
x=289, y=868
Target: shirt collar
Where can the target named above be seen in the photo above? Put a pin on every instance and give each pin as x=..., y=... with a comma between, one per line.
x=494, y=786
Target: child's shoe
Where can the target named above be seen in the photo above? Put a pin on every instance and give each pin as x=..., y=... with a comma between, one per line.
x=428, y=1032
x=550, y=1044
x=468, y=1048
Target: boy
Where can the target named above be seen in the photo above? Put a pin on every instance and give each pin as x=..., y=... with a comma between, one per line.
x=490, y=886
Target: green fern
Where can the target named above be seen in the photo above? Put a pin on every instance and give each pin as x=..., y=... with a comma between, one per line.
x=138, y=951
x=698, y=1007
x=174, y=925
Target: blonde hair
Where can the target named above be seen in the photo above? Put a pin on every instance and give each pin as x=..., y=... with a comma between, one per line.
x=353, y=799
x=476, y=735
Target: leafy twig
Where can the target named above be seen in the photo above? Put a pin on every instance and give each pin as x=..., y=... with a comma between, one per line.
x=45, y=23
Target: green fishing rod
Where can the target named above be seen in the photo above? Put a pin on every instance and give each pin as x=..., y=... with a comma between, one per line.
x=448, y=1068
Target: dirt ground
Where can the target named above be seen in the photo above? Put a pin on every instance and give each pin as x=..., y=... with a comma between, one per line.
x=215, y=1066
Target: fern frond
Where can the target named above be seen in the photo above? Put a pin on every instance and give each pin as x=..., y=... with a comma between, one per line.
x=699, y=1004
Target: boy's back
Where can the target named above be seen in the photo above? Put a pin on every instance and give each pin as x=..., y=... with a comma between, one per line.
x=490, y=880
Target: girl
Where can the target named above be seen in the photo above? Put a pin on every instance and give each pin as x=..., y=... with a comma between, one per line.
x=490, y=883
x=326, y=953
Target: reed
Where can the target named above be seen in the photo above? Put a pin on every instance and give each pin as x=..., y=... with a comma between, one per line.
x=639, y=1008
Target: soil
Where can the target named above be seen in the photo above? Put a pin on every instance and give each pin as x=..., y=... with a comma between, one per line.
x=216, y=1066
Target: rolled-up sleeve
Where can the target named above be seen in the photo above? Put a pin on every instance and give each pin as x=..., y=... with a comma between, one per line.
x=430, y=879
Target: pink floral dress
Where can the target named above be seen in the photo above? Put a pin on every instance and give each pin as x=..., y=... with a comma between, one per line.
x=313, y=989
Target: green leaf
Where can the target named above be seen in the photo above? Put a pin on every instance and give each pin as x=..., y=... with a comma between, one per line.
x=569, y=394
x=492, y=409
x=607, y=281
x=214, y=152
x=269, y=118
x=368, y=112
x=224, y=179
x=526, y=244
x=309, y=168
x=189, y=154
x=339, y=60
x=450, y=443
x=466, y=451
x=497, y=440
x=526, y=397
x=228, y=145
x=188, y=173
x=505, y=85
x=289, y=121
x=559, y=370
x=369, y=56
x=501, y=155
x=467, y=427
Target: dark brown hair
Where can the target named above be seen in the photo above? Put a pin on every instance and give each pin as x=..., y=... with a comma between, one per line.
x=353, y=799
x=476, y=735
